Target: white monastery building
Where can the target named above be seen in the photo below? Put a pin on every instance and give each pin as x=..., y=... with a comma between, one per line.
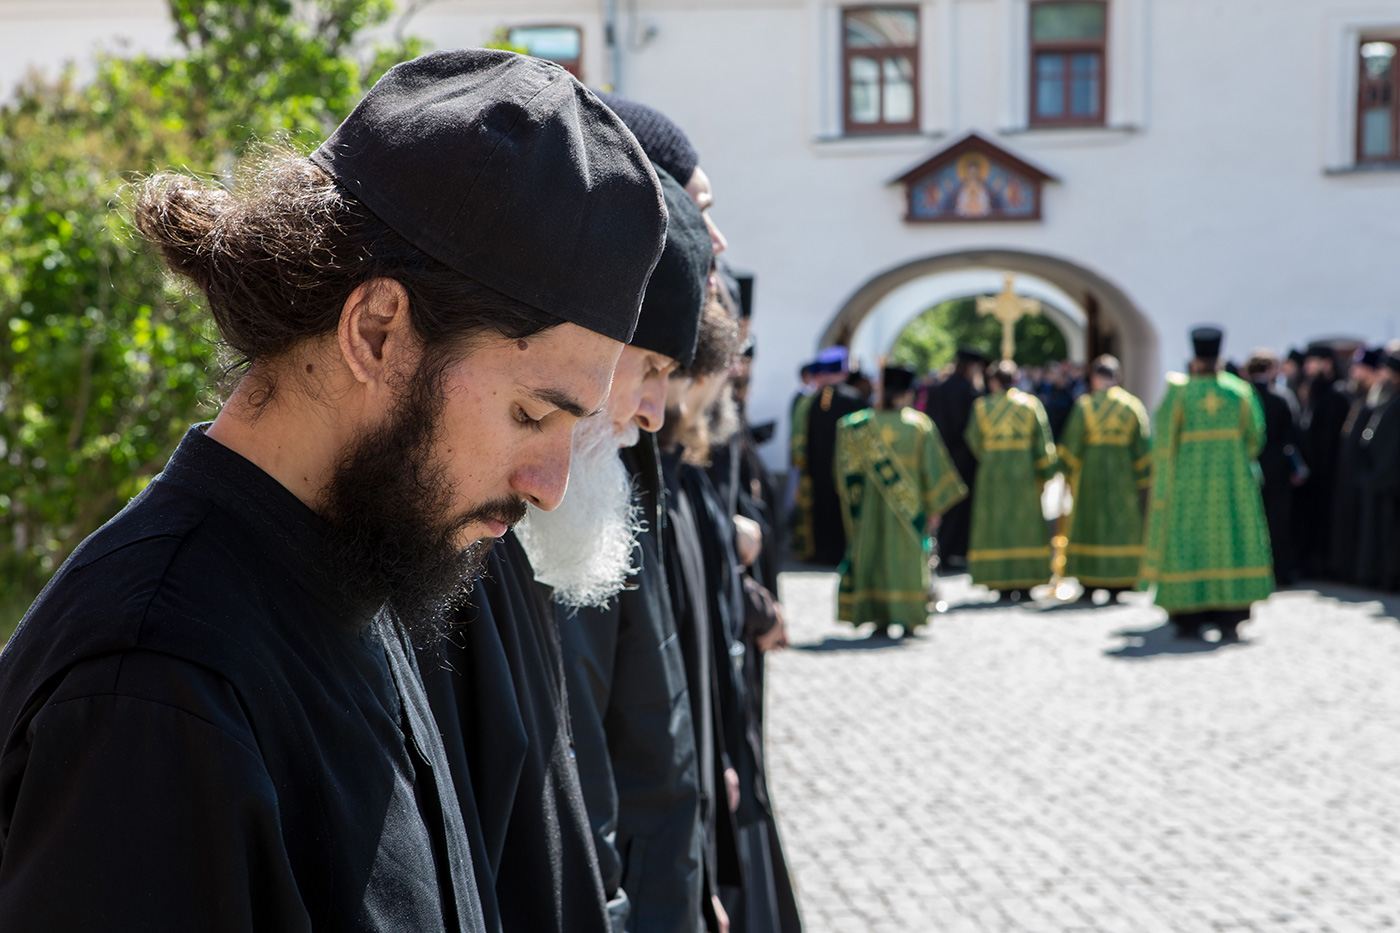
x=1141, y=166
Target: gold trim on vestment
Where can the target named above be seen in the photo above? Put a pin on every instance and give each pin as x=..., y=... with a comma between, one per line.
x=1214, y=434
x=1023, y=443
x=1220, y=573
x=1106, y=550
x=1011, y=553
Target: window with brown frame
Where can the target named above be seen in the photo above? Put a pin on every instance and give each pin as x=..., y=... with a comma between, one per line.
x=562, y=45
x=880, y=68
x=1068, y=52
x=1378, y=103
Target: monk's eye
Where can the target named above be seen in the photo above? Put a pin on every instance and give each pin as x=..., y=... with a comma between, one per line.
x=524, y=420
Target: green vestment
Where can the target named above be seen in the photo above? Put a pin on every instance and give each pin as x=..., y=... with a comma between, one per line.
x=1009, y=548
x=892, y=473
x=800, y=537
x=1104, y=451
x=1207, y=540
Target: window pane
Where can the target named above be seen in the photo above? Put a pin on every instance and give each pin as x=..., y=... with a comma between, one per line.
x=1375, y=133
x=1053, y=21
x=899, y=90
x=556, y=43
x=1378, y=58
x=1084, y=85
x=865, y=90
x=873, y=27
x=1049, y=85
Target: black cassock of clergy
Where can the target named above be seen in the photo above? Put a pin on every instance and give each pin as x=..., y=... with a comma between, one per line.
x=1276, y=464
x=201, y=733
x=1379, y=563
x=496, y=685
x=630, y=710
x=950, y=406
x=829, y=406
x=1319, y=439
x=1346, y=494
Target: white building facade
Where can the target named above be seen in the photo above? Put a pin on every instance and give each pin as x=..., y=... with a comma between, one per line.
x=1227, y=161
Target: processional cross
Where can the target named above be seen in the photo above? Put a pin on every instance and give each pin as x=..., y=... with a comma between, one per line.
x=1008, y=307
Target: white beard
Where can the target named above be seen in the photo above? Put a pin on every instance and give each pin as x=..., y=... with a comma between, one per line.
x=583, y=548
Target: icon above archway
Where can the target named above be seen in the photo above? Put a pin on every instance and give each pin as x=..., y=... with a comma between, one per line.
x=974, y=179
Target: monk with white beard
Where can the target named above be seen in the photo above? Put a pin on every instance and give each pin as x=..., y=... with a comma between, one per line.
x=498, y=686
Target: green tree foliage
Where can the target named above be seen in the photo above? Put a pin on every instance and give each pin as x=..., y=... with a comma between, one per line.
x=932, y=338
x=104, y=362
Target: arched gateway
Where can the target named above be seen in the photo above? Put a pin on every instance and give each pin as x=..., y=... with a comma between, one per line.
x=1096, y=315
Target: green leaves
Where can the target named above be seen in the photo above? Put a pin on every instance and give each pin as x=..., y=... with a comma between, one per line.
x=104, y=362
x=932, y=338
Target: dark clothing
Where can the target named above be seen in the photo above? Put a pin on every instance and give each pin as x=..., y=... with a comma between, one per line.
x=1319, y=440
x=496, y=685
x=829, y=406
x=1346, y=493
x=631, y=716
x=1379, y=559
x=202, y=732
x=1277, y=464
x=950, y=406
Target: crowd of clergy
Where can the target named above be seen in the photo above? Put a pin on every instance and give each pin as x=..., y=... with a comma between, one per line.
x=298, y=683
x=1245, y=478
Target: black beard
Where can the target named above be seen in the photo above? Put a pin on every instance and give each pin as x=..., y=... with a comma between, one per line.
x=392, y=533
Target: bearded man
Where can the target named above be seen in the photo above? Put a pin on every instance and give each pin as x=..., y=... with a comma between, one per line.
x=212, y=719
x=497, y=684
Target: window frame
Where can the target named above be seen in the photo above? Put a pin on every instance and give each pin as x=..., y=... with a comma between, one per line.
x=1066, y=48
x=880, y=53
x=1393, y=157
x=573, y=66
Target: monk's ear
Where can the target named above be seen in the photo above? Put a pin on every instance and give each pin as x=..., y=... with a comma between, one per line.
x=375, y=335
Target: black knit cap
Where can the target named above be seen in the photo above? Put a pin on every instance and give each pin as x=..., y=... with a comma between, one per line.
x=665, y=143
x=1205, y=341
x=670, y=318
x=508, y=170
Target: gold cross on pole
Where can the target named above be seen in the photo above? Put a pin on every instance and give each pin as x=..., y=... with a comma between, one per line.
x=1008, y=307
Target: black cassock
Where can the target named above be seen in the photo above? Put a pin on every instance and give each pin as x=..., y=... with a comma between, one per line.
x=630, y=708
x=1346, y=494
x=950, y=406
x=829, y=406
x=202, y=733
x=1277, y=464
x=496, y=686
x=1319, y=439
x=1379, y=560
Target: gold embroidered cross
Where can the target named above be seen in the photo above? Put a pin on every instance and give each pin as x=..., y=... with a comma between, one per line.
x=1212, y=403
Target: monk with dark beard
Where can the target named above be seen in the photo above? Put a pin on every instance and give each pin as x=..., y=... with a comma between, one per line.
x=211, y=718
x=496, y=684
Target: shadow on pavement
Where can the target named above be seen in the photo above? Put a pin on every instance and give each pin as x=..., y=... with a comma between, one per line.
x=854, y=643
x=1162, y=640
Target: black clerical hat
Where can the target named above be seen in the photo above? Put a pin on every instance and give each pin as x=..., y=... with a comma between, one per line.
x=1205, y=342
x=670, y=318
x=1295, y=356
x=508, y=170
x=897, y=379
x=971, y=355
x=1320, y=351
x=1373, y=357
x=664, y=142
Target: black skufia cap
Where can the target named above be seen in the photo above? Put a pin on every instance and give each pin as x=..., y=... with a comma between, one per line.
x=1205, y=342
x=1373, y=357
x=971, y=355
x=508, y=170
x=1320, y=351
x=670, y=318
x=897, y=379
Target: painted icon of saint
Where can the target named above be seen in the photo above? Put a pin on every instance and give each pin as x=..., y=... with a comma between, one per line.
x=974, y=200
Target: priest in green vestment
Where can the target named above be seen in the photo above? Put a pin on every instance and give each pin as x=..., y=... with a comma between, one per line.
x=1207, y=539
x=895, y=478
x=1009, y=548
x=1105, y=455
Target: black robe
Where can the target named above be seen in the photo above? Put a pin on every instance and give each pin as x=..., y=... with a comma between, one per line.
x=1319, y=440
x=630, y=708
x=1277, y=465
x=829, y=406
x=201, y=732
x=1379, y=559
x=496, y=685
x=1346, y=494
x=950, y=406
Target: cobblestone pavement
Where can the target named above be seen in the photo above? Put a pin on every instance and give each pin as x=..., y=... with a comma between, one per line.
x=1059, y=769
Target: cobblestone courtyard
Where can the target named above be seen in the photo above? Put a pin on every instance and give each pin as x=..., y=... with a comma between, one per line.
x=1056, y=769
